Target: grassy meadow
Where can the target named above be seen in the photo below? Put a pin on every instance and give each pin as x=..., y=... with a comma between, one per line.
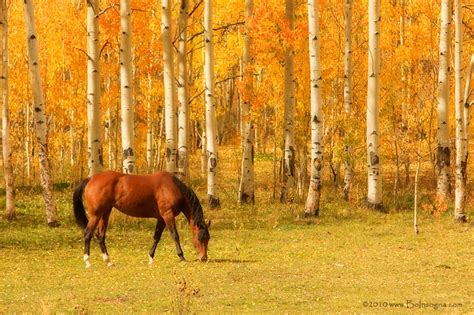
x=263, y=258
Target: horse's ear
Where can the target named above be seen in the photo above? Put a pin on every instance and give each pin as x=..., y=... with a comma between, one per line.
x=208, y=223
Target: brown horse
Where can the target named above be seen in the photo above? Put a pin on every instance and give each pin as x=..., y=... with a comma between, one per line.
x=161, y=196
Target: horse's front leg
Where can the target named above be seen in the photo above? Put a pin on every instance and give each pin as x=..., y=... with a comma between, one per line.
x=171, y=224
x=160, y=226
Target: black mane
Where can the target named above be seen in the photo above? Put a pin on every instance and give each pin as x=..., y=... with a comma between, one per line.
x=194, y=204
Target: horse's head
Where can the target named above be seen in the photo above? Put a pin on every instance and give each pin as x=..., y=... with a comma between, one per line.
x=201, y=240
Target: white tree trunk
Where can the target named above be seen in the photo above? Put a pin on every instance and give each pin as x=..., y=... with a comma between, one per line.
x=169, y=87
x=211, y=126
x=7, y=162
x=39, y=114
x=94, y=139
x=348, y=160
x=374, y=193
x=348, y=56
x=247, y=180
x=460, y=188
x=149, y=129
x=314, y=193
x=289, y=154
x=126, y=84
x=183, y=92
x=444, y=152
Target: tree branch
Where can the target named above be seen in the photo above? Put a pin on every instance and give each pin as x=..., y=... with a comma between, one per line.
x=224, y=27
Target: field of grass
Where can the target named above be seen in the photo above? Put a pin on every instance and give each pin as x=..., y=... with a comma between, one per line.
x=263, y=258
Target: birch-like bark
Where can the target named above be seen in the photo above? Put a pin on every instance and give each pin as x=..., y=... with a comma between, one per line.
x=39, y=115
x=314, y=193
x=348, y=159
x=169, y=87
x=460, y=188
x=149, y=129
x=183, y=92
x=289, y=154
x=374, y=193
x=444, y=151
x=126, y=87
x=247, y=180
x=211, y=126
x=7, y=152
x=94, y=139
x=348, y=56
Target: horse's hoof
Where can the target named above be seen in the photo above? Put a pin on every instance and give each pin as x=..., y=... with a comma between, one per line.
x=88, y=265
x=181, y=259
x=150, y=260
x=110, y=264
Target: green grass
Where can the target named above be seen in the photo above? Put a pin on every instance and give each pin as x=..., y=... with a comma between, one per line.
x=262, y=259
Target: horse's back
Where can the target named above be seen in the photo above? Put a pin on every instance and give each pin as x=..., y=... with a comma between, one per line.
x=134, y=195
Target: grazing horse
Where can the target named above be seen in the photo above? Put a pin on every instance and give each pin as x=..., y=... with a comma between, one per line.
x=161, y=196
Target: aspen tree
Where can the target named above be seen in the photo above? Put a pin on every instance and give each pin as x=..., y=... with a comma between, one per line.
x=183, y=92
x=211, y=127
x=374, y=193
x=289, y=154
x=149, y=128
x=169, y=87
x=314, y=193
x=7, y=163
x=348, y=160
x=460, y=189
x=126, y=87
x=443, y=152
x=94, y=141
x=39, y=115
x=247, y=181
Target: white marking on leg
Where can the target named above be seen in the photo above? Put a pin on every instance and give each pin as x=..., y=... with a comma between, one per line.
x=86, y=260
x=106, y=258
x=150, y=260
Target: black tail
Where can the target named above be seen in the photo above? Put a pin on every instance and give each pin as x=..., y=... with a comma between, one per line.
x=193, y=201
x=79, y=211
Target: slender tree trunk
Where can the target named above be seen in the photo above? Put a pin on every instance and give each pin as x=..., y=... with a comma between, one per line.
x=211, y=128
x=289, y=155
x=444, y=151
x=183, y=93
x=39, y=115
x=314, y=193
x=348, y=160
x=94, y=139
x=149, y=128
x=247, y=181
x=126, y=90
x=460, y=188
x=28, y=142
x=169, y=88
x=7, y=152
x=374, y=194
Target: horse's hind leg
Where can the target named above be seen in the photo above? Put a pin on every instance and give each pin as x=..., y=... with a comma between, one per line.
x=171, y=224
x=103, y=222
x=93, y=220
x=160, y=226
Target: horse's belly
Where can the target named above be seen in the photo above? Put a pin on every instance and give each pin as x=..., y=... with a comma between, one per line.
x=138, y=210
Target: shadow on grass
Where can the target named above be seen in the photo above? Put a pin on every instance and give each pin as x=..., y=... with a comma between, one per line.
x=230, y=261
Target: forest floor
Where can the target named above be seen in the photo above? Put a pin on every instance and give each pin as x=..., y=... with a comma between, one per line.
x=263, y=258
